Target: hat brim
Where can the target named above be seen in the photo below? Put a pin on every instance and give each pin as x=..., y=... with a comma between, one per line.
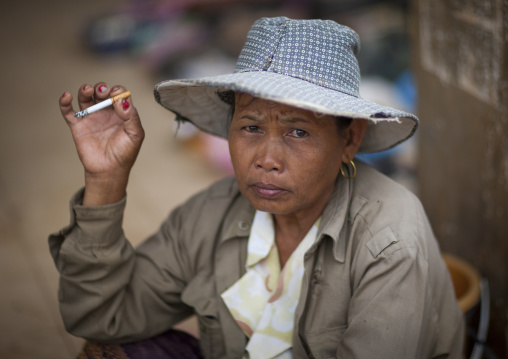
x=197, y=101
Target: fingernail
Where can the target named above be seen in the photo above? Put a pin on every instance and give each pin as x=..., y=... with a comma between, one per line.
x=114, y=89
x=85, y=87
x=65, y=93
x=103, y=88
x=125, y=104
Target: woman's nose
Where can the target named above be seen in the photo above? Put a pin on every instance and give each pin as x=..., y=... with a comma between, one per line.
x=270, y=156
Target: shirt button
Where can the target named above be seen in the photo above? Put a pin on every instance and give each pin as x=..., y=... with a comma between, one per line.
x=243, y=225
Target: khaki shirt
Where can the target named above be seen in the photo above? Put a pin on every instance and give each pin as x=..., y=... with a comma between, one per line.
x=374, y=283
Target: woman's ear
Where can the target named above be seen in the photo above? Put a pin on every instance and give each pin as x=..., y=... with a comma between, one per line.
x=354, y=135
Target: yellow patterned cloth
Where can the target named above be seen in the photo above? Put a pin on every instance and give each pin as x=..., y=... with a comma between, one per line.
x=264, y=299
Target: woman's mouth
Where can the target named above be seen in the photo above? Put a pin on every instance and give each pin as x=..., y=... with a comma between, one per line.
x=267, y=190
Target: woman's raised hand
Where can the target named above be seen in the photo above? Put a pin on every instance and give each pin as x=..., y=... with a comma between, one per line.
x=108, y=141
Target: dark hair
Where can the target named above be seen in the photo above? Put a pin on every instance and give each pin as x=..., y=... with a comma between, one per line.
x=342, y=122
x=229, y=98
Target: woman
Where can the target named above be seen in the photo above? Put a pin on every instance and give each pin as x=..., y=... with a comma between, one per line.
x=303, y=254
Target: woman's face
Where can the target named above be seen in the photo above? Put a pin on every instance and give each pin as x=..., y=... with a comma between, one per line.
x=285, y=159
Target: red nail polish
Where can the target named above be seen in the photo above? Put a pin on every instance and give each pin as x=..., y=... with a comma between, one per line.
x=125, y=104
x=85, y=87
x=102, y=88
x=65, y=93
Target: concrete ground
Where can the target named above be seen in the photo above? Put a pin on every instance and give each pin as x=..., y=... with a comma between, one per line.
x=41, y=58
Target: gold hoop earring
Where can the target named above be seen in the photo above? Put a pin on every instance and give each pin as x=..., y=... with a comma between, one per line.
x=348, y=171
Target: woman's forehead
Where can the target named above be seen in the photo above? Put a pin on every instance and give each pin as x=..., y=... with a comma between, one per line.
x=248, y=103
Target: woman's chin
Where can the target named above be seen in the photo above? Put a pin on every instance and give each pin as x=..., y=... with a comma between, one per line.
x=273, y=206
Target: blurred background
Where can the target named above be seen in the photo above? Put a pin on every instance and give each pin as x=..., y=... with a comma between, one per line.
x=454, y=56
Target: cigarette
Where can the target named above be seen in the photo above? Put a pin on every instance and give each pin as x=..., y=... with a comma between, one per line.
x=103, y=104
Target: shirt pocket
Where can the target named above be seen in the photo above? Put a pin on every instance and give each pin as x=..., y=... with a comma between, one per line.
x=323, y=343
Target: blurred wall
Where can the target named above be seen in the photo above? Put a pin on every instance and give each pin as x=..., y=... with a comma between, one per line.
x=460, y=53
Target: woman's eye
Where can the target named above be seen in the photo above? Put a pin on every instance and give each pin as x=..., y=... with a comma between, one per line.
x=298, y=133
x=252, y=128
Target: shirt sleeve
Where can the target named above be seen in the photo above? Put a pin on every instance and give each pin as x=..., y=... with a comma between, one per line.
x=110, y=292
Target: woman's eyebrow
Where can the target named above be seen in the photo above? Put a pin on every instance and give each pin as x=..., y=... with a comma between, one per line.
x=250, y=118
x=251, y=115
x=293, y=119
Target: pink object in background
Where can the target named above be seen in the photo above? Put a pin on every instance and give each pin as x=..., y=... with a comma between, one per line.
x=216, y=152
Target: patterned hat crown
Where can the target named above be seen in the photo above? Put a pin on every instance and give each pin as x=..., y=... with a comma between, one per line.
x=322, y=53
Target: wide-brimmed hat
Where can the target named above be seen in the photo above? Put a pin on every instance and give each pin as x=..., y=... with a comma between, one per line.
x=308, y=64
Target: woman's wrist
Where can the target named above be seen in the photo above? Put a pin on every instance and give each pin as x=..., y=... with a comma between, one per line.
x=104, y=189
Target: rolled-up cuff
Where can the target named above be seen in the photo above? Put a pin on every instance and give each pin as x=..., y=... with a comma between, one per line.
x=95, y=226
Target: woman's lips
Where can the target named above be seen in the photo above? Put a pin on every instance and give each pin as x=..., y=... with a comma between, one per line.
x=267, y=190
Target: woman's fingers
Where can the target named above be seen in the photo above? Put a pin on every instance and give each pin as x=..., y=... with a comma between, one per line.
x=85, y=96
x=124, y=108
x=128, y=113
x=101, y=91
x=116, y=90
x=89, y=95
x=66, y=108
